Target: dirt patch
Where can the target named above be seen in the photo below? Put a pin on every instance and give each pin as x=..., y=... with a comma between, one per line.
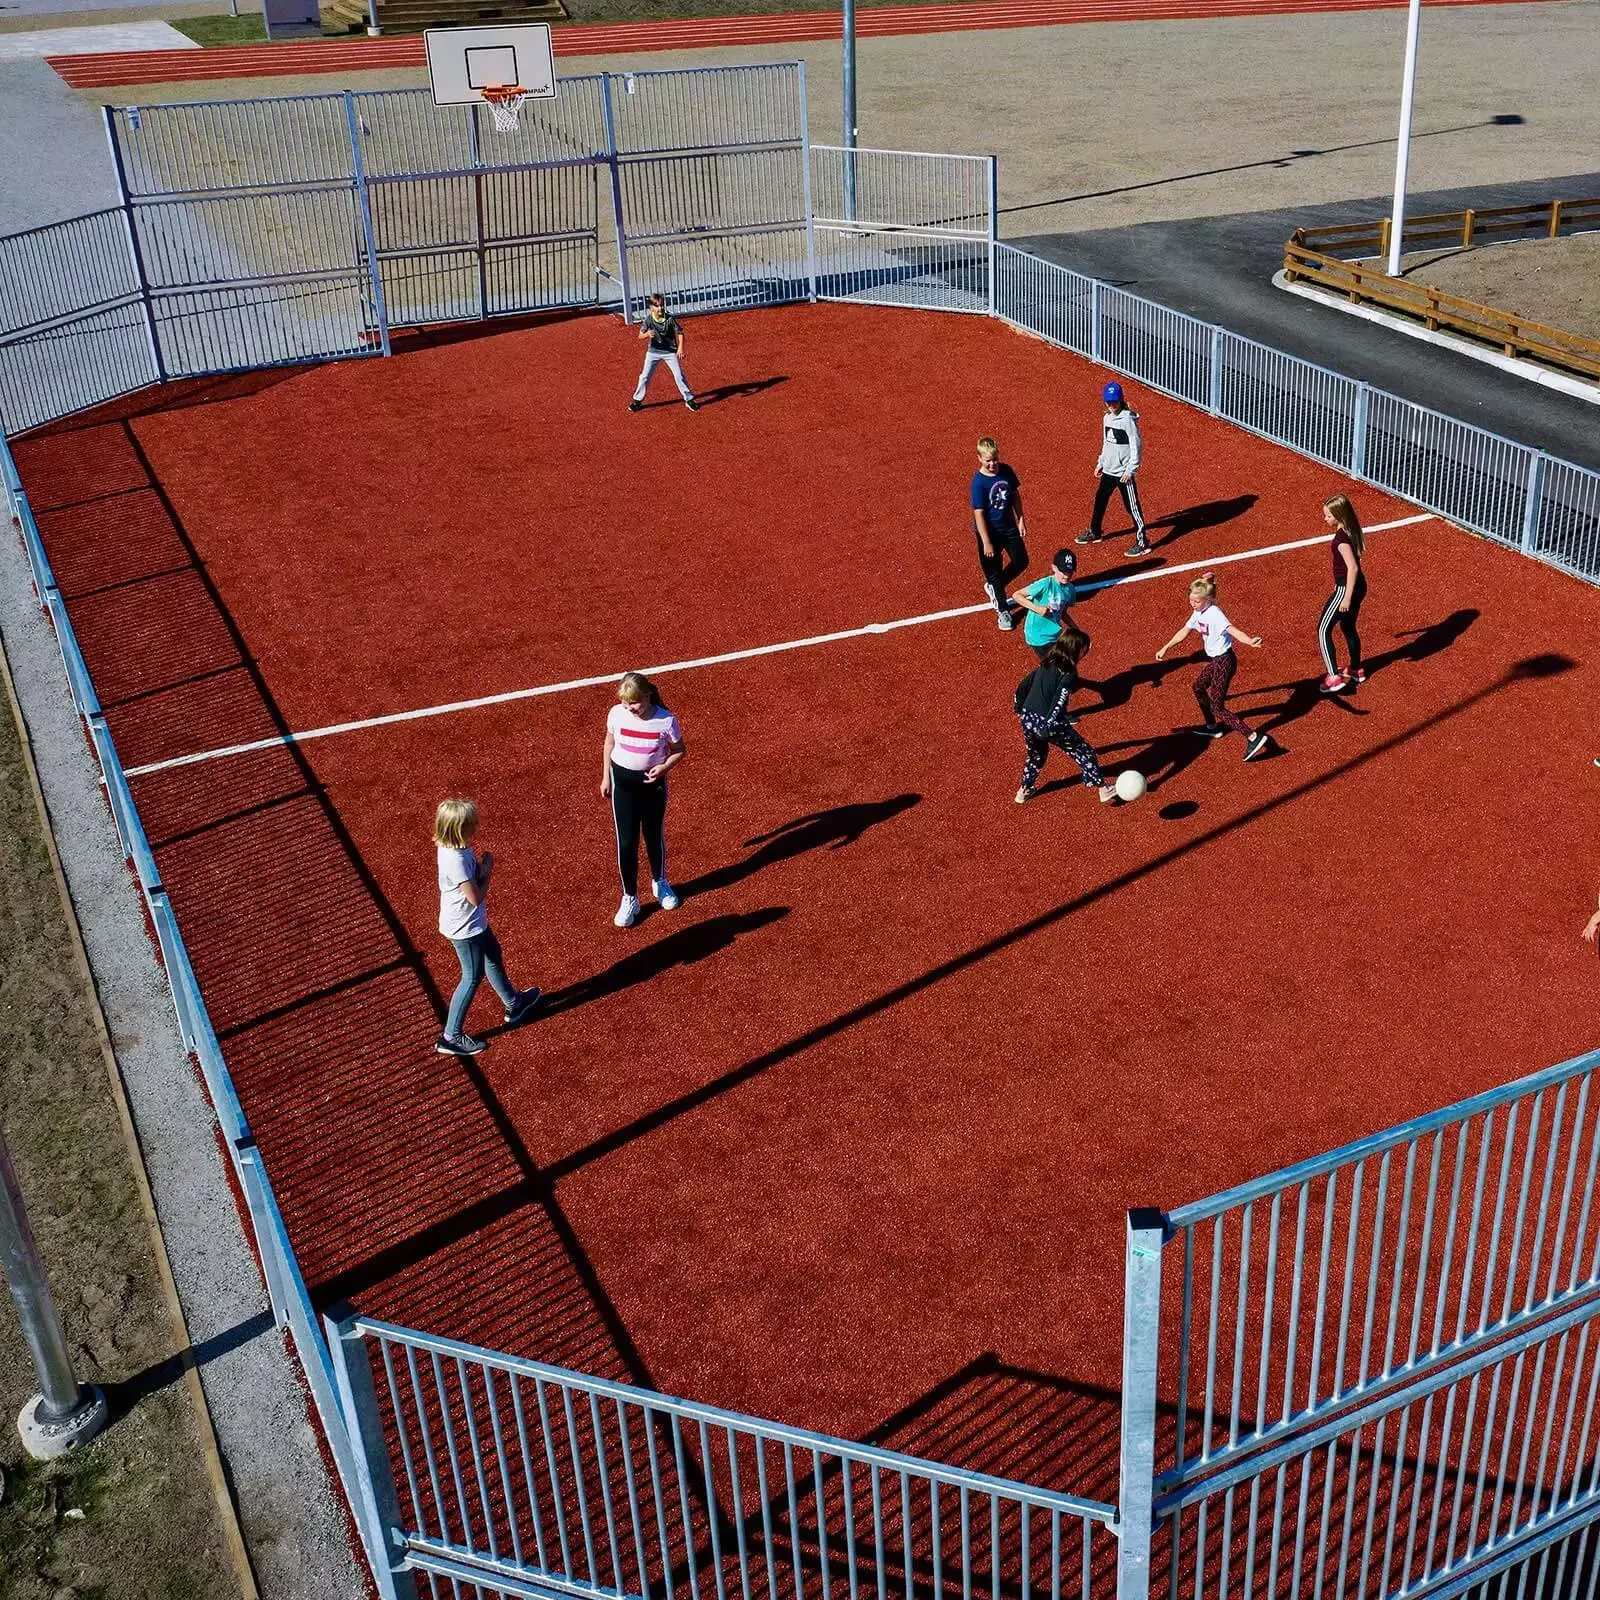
x=1554, y=281
x=131, y=1515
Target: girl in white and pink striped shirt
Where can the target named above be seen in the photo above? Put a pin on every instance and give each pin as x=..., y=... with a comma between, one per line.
x=643, y=744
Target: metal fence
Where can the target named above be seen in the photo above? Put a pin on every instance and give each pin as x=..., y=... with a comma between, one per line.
x=1514, y=494
x=896, y=227
x=1377, y=1364
x=512, y=1476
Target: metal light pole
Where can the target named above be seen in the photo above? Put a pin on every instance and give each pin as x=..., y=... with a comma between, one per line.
x=64, y=1412
x=1397, y=224
x=850, y=108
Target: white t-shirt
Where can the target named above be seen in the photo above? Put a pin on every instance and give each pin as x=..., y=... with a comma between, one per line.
x=1213, y=628
x=458, y=919
x=641, y=742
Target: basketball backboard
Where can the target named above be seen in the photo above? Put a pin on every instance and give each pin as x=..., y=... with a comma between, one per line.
x=463, y=62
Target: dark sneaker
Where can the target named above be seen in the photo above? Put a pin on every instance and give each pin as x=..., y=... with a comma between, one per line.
x=692, y=403
x=636, y=405
x=463, y=1044
x=1211, y=730
x=1089, y=536
x=525, y=1003
x=1139, y=547
x=1256, y=745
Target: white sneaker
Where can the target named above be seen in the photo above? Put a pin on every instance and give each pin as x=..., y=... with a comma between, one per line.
x=627, y=912
x=666, y=895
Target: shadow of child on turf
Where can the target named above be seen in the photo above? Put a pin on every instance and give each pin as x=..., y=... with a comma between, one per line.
x=835, y=828
x=681, y=948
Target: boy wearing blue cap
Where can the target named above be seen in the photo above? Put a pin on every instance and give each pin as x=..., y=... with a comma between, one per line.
x=1120, y=454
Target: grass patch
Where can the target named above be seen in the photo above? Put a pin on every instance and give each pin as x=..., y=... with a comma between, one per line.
x=249, y=29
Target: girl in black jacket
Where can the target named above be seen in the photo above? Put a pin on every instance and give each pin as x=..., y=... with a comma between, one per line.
x=1041, y=703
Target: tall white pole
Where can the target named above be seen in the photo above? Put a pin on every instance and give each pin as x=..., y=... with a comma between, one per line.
x=1397, y=224
x=849, y=30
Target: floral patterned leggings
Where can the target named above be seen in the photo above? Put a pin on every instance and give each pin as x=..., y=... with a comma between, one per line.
x=1039, y=735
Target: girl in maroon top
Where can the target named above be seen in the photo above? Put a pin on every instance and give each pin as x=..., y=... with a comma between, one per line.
x=1344, y=604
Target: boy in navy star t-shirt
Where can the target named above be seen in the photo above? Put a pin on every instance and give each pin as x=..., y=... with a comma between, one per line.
x=997, y=520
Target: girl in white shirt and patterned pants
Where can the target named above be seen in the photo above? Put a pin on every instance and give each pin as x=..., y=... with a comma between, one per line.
x=643, y=744
x=1211, y=688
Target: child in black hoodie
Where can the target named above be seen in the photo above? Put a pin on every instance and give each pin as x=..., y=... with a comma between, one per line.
x=1041, y=703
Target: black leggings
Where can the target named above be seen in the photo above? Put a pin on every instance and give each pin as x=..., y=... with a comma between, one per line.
x=638, y=807
x=1010, y=558
x=1346, y=622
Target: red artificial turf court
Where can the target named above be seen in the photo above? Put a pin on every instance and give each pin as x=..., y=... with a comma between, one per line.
x=848, y=1139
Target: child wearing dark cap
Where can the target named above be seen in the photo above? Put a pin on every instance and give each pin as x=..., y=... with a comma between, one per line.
x=1046, y=600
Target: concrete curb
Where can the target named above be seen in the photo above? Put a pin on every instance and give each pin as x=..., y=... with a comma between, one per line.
x=1526, y=370
x=293, y=1522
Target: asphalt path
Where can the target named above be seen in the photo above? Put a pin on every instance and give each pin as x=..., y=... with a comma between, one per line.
x=1220, y=269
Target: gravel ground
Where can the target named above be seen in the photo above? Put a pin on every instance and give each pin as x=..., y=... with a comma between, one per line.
x=1553, y=281
x=294, y=1527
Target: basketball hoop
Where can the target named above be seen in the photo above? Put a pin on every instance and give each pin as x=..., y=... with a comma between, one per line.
x=505, y=105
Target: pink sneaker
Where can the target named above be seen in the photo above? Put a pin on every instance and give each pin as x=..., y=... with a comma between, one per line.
x=1335, y=683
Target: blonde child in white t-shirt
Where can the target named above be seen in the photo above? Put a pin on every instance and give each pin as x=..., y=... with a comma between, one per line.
x=464, y=921
x=643, y=744
x=1211, y=687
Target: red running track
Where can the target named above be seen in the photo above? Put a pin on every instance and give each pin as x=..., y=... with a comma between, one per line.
x=695, y=33
x=846, y=1140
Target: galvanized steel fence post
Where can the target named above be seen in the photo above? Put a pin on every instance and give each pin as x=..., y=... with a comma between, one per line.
x=994, y=229
x=1530, y=511
x=1358, y=432
x=1141, y=1337
x=609, y=113
x=374, y=266
x=805, y=157
x=475, y=150
x=135, y=254
x=377, y=1510
x=1215, y=391
x=1094, y=320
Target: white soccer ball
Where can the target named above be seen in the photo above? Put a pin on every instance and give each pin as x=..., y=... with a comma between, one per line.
x=1130, y=785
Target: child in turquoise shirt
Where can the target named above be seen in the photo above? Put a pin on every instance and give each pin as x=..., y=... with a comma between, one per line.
x=1046, y=601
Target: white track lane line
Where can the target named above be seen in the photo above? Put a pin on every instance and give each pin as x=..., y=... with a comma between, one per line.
x=720, y=660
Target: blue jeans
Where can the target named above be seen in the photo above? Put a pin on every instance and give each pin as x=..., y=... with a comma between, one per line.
x=480, y=958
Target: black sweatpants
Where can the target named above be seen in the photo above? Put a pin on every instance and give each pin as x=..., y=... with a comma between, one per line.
x=1345, y=621
x=1108, y=486
x=1010, y=558
x=638, y=807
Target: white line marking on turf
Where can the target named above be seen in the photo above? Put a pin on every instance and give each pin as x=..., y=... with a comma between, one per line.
x=510, y=695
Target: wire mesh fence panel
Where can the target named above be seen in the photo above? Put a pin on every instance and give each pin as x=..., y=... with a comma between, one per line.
x=232, y=144
x=1354, y=1273
x=242, y=326
x=69, y=365
x=1165, y=349
x=1294, y=402
x=1430, y=1490
x=721, y=272
x=900, y=268
x=901, y=189
x=1567, y=530
x=63, y=269
x=1475, y=478
x=1044, y=298
x=708, y=108
x=222, y=239
x=513, y=1469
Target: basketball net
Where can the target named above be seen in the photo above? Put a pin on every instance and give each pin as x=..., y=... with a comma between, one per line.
x=505, y=106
